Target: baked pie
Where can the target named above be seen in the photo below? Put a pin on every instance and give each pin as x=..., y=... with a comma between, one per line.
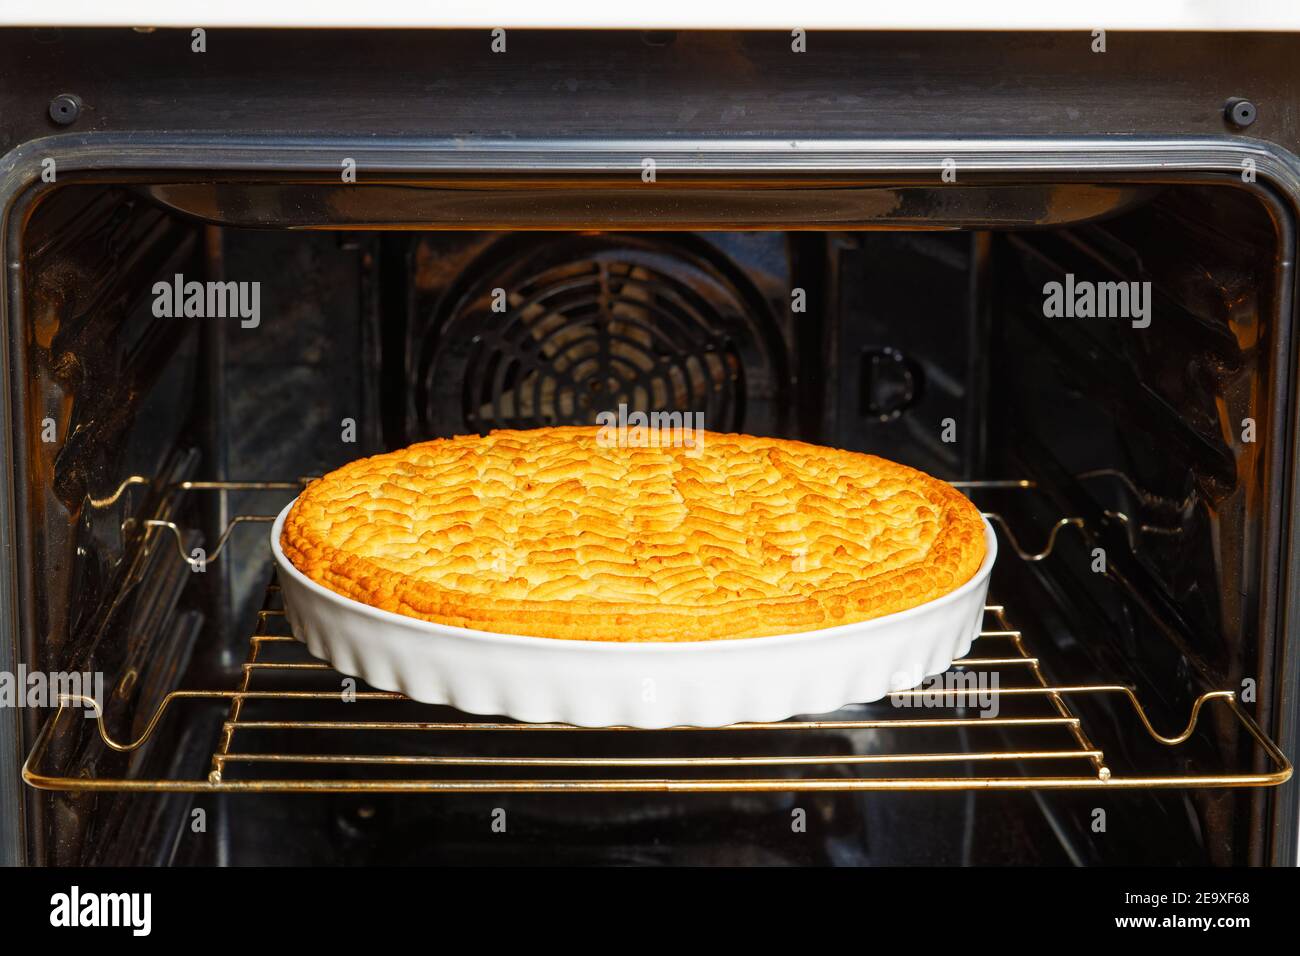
x=563, y=533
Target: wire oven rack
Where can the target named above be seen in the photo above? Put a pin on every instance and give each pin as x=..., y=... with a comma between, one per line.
x=992, y=722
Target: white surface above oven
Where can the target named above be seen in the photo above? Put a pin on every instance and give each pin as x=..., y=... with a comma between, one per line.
x=1261, y=15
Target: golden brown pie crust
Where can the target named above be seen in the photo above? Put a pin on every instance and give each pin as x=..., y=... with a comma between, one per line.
x=556, y=533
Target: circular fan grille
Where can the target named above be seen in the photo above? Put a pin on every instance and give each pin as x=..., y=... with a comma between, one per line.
x=558, y=342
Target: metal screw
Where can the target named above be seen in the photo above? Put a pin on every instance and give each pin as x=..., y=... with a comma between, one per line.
x=1239, y=112
x=65, y=108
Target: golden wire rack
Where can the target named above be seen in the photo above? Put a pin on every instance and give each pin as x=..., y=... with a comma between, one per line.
x=287, y=713
x=179, y=535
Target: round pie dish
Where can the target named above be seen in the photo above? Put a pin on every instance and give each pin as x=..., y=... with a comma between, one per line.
x=644, y=684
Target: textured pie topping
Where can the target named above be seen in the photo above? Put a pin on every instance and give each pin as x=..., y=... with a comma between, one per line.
x=558, y=533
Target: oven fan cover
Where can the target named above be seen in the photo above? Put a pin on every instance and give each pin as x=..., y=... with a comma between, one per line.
x=558, y=332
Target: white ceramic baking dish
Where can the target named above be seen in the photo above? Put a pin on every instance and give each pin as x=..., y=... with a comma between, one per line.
x=647, y=685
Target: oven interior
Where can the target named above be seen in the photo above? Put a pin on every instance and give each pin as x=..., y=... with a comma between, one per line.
x=1163, y=445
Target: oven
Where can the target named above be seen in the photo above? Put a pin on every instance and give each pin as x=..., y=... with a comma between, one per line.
x=1061, y=278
